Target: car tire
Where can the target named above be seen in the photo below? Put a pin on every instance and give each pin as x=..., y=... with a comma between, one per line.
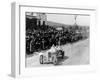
x=62, y=55
x=41, y=59
x=54, y=60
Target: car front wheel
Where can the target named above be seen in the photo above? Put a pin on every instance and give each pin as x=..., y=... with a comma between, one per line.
x=54, y=59
x=41, y=59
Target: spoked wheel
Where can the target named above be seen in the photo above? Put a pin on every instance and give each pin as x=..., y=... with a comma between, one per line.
x=62, y=55
x=54, y=59
x=41, y=59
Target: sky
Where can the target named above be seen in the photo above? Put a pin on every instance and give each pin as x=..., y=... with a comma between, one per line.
x=69, y=19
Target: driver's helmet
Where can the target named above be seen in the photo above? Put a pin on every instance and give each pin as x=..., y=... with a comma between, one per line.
x=58, y=47
x=52, y=49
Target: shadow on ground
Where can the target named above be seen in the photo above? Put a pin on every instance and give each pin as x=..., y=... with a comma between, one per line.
x=60, y=60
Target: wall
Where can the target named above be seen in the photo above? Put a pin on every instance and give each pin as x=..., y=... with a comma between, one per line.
x=5, y=39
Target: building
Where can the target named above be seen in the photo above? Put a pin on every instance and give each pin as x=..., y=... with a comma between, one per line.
x=40, y=17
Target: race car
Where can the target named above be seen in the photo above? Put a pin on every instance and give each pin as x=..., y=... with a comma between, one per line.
x=51, y=56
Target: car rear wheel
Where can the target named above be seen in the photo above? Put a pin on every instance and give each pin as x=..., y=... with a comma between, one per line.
x=62, y=55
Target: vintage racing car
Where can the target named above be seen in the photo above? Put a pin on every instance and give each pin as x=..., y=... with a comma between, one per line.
x=51, y=56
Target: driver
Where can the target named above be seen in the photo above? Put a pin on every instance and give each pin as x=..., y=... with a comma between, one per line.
x=51, y=51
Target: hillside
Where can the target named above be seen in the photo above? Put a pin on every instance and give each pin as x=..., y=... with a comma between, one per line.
x=55, y=24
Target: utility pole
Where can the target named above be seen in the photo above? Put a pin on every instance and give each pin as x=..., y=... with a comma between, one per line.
x=75, y=19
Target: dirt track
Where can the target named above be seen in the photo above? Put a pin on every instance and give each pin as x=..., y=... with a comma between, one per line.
x=75, y=54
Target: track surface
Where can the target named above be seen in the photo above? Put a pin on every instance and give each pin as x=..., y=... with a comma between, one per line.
x=75, y=54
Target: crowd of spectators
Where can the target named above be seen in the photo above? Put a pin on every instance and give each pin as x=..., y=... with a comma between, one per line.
x=42, y=37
